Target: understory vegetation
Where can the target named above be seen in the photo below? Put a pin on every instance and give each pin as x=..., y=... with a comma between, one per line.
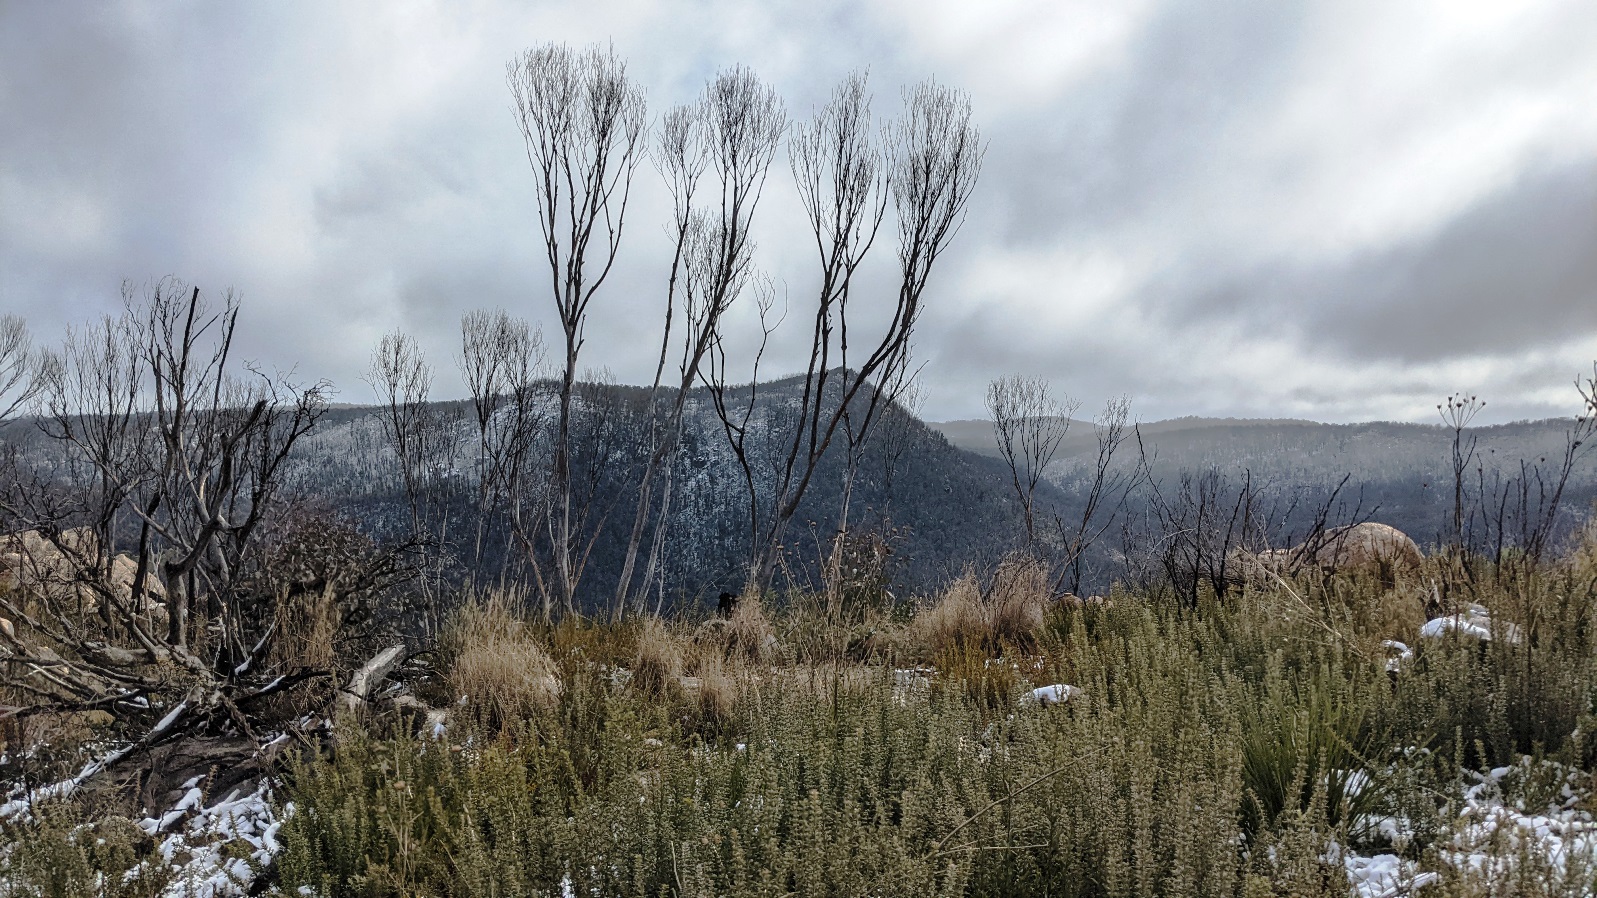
x=844, y=748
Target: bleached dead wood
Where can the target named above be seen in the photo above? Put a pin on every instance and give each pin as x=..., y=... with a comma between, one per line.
x=371, y=673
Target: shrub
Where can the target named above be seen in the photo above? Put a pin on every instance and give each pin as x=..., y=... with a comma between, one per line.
x=1008, y=615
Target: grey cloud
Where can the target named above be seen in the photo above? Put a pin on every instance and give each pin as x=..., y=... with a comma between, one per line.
x=246, y=146
x=1514, y=272
x=1130, y=142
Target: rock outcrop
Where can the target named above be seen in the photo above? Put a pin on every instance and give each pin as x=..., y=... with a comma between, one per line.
x=63, y=569
x=1368, y=548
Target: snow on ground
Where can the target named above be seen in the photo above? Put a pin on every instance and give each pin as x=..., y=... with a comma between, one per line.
x=1057, y=694
x=1474, y=621
x=1493, y=834
x=214, y=851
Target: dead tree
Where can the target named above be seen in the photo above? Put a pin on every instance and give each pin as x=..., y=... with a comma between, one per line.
x=1108, y=490
x=1457, y=412
x=1028, y=424
x=24, y=372
x=732, y=133
x=402, y=379
x=735, y=404
x=499, y=359
x=583, y=121
x=191, y=451
x=95, y=403
x=19, y=367
x=925, y=165
x=899, y=431
x=1534, y=496
x=1200, y=524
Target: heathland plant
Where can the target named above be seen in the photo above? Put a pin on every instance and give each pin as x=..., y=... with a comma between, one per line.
x=1229, y=748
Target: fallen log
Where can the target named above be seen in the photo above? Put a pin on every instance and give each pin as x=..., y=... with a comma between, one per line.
x=361, y=684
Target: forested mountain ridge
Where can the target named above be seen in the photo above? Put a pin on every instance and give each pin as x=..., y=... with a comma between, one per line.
x=1397, y=473
x=932, y=507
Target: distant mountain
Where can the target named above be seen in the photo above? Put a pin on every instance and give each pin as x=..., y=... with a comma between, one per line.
x=935, y=497
x=1399, y=473
x=938, y=508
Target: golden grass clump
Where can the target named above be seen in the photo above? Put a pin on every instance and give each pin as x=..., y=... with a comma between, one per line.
x=658, y=665
x=718, y=689
x=1583, y=558
x=749, y=632
x=957, y=617
x=500, y=669
x=1018, y=601
x=307, y=625
x=1009, y=614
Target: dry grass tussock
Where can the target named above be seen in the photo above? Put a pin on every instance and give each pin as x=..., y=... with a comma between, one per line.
x=1008, y=614
x=720, y=685
x=749, y=633
x=307, y=626
x=658, y=666
x=498, y=666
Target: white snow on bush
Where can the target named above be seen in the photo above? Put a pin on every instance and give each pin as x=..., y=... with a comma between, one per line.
x=1057, y=694
x=1474, y=622
x=1492, y=836
x=1383, y=875
x=196, y=842
x=1397, y=655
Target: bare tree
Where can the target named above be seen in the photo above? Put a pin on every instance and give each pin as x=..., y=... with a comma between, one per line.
x=925, y=164
x=1029, y=423
x=95, y=404
x=499, y=360
x=583, y=120
x=1457, y=412
x=733, y=133
x=735, y=404
x=1205, y=518
x=900, y=430
x=402, y=379
x=19, y=363
x=1108, y=490
x=1532, y=497
x=195, y=455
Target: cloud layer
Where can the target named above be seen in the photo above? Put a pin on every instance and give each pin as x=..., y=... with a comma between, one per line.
x=1333, y=210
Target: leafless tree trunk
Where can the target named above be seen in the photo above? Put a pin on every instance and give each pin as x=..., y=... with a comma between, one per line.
x=194, y=451
x=1457, y=413
x=1029, y=424
x=1106, y=497
x=1578, y=440
x=926, y=164
x=499, y=360
x=732, y=132
x=898, y=432
x=24, y=373
x=402, y=380
x=93, y=403
x=735, y=405
x=196, y=456
x=19, y=367
x=583, y=121
x=1199, y=526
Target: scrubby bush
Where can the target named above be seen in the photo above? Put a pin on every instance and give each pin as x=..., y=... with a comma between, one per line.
x=1230, y=748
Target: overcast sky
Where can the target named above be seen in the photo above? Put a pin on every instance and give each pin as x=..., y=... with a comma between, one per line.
x=1337, y=210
